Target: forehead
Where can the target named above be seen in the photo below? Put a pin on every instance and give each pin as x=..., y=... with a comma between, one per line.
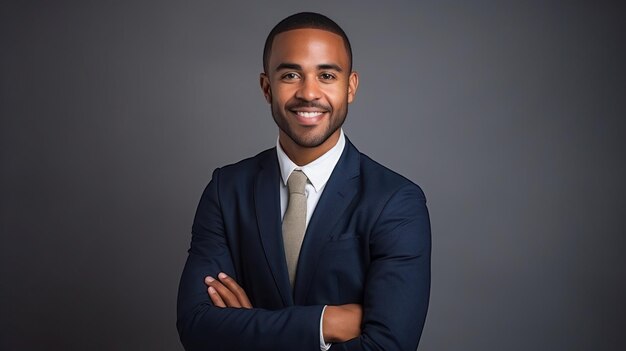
x=310, y=45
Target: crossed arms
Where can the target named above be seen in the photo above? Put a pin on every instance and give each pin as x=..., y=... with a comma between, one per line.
x=390, y=315
x=341, y=323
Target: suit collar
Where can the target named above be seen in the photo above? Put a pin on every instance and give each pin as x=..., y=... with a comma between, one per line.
x=267, y=204
x=337, y=196
x=339, y=191
x=318, y=172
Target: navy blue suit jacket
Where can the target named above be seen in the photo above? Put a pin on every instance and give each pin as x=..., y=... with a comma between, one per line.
x=368, y=242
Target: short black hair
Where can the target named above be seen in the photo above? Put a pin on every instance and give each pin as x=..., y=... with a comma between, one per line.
x=300, y=21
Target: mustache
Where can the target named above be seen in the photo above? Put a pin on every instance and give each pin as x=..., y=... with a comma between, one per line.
x=307, y=104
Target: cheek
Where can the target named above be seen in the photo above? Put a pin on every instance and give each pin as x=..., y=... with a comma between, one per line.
x=337, y=95
x=278, y=103
x=281, y=95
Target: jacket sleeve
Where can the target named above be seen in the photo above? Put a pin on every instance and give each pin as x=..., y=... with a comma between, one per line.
x=202, y=326
x=397, y=285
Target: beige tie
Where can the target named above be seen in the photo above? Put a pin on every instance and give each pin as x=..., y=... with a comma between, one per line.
x=294, y=221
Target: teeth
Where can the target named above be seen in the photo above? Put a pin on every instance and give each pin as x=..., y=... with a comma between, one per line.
x=309, y=114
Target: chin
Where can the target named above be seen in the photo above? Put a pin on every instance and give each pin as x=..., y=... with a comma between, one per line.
x=311, y=140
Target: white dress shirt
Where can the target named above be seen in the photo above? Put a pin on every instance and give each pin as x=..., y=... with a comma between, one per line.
x=318, y=172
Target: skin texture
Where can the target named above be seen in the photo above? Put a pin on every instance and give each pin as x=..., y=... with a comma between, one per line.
x=309, y=85
x=309, y=71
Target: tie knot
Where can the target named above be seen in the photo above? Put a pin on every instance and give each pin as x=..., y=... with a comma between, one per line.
x=297, y=182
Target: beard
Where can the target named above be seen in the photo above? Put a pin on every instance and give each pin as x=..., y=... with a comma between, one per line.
x=310, y=138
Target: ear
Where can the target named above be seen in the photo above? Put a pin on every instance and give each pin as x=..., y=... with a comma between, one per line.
x=353, y=84
x=265, y=86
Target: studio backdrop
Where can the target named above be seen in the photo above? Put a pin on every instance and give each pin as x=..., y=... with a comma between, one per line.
x=510, y=116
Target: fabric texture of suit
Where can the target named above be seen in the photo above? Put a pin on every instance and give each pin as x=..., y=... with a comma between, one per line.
x=368, y=242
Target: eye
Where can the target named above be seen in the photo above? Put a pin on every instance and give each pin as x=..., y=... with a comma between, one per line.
x=327, y=76
x=290, y=76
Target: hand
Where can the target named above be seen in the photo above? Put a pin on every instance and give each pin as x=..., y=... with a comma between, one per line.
x=225, y=292
x=342, y=323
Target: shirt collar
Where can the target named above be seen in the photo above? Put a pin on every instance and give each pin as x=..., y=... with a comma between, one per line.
x=319, y=170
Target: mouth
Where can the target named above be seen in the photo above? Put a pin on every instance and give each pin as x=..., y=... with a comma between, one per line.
x=309, y=116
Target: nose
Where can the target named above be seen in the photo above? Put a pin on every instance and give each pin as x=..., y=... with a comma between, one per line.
x=309, y=90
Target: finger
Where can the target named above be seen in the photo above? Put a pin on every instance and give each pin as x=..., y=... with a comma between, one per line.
x=215, y=297
x=237, y=290
x=227, y=296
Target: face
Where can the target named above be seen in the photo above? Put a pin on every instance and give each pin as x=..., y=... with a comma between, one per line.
x=309, y=86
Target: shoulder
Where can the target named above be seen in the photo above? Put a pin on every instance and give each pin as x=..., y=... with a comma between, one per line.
x=251, y=164
x=382, y=180
x=246, y=169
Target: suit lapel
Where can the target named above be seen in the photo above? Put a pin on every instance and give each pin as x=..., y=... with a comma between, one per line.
x=267, y=203
x=338, y=194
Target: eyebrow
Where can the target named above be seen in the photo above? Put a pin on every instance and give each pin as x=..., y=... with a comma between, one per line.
x=329, y=66
x=288, y=66
x=297, y=67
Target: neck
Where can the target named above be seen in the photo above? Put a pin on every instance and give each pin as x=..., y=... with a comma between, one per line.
x=304, y=155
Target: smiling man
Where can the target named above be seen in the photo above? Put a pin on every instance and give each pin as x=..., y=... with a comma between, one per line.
x=309, y=245
x=309, y=83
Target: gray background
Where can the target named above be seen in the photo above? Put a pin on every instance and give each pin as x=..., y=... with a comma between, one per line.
x=510, y=115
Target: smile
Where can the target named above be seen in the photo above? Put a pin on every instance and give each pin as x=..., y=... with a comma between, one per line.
x=306, y=114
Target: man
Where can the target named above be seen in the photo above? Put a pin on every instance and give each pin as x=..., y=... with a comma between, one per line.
x=310, y=245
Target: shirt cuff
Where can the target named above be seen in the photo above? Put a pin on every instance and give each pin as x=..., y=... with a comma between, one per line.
x=323, y=346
